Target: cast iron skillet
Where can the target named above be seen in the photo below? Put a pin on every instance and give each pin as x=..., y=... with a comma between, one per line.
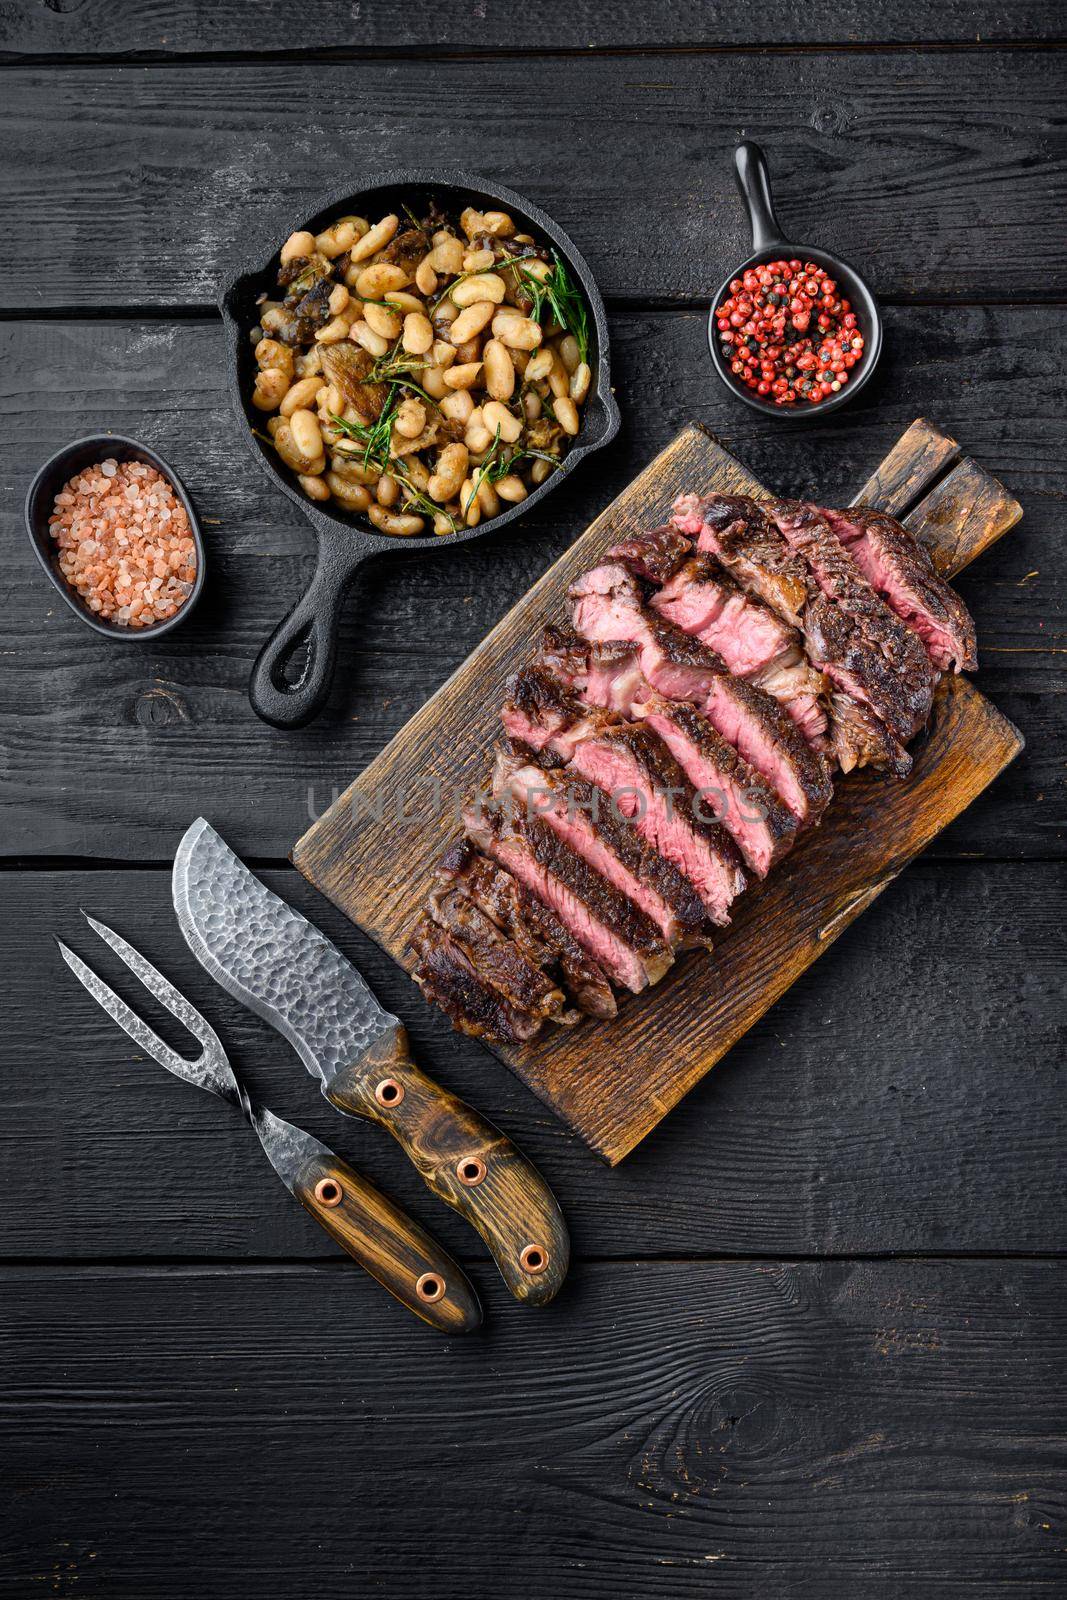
x=345, y=540
x=768, y=242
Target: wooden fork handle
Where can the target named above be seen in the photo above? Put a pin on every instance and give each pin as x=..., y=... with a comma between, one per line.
x=468, y=1164
x=387, y=1243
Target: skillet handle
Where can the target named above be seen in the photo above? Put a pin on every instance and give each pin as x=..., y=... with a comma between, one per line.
x=753, y=180
x=311, y=625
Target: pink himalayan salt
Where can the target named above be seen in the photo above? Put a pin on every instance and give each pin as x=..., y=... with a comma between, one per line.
x=125, y=543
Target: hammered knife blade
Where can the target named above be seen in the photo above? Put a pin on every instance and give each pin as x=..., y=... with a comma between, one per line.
x=269, y=956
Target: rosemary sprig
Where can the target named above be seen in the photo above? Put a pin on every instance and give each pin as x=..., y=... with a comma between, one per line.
x=564, y=299
x=375, y=437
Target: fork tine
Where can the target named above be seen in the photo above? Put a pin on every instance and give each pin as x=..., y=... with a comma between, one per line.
x=158, y=985
x=139, y=1031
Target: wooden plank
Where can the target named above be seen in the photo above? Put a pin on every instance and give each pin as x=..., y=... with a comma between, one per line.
x=373, y=853
x=161, y=28
x=886, y=1429
x=150, y=733
x=905, y=1096
x=138, y=187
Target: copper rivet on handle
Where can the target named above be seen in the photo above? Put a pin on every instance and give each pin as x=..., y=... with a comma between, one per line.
x=328, y=1192
x=389, y=1092
x=471, y=1171
x=430, y=1287
x=533, y=1259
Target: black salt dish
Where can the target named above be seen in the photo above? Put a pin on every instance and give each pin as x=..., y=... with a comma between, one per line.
x=347, y=540
x=40, y=500
x=768, y=243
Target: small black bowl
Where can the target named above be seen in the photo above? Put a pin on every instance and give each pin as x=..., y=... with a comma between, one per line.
x=768, y=243
x=40, y=499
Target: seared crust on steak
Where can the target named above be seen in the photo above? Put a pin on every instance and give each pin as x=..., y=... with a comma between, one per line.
x=656, y=555
x=447, y=976
x=887, y=663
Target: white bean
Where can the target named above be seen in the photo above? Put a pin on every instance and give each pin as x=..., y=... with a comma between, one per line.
x=373, y=342
x=456, y=407
x=470, y=509
x=581, y=378
x=388, y=490
x=301, y=394
x=401, y=300
x=478, y=260
x=539, y=366
x=374, y=282
x=567, y=414
x=334, y=331
x=569, y=353
x=375, y=238
x=471, y=321
x=270, y=390
x=499, y=370
x=523, y=333
x=336, y=240
x=410, y=418
x=487, y=497
x=397, y=522
x=314, y=488
x=499, y=224
x=307, y=435
x=297, y=245
x=425, y=277
x=483, y=286
x=498, y=419
x=463, y=377
x=418, y=333
x=351, y=495
x=382, y=320
x=511, y=487
x=451, y=471
x=447, y=256
x=433, y=381
x=271, y=353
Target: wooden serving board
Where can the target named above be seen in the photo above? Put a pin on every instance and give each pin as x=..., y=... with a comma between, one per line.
x=612, y=1082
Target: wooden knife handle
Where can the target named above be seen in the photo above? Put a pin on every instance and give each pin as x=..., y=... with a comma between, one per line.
x=387, y=1243
x=467, y=1162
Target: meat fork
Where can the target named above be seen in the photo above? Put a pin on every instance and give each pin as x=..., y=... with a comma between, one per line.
x=385, y=1241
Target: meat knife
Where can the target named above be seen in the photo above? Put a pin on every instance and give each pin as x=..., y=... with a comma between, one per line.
x=267, y=955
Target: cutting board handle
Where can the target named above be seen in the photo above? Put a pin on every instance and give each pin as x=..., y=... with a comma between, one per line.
x=311, y=626
x=468, y=1164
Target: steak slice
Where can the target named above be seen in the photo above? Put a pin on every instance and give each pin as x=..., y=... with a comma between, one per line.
x=656, y=555
x=497, y=959
x=584, y=819
x=739, y=532
x=705, y=602
x=635, y=770
x=618, y=936
x=447, y=976
x=536, y=932
x=609, y=676
x=860, y=740
x=608, y=608
x=886, y=664
x=897, y=567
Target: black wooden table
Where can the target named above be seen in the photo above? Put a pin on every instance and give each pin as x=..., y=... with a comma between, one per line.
x=814, y=1339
